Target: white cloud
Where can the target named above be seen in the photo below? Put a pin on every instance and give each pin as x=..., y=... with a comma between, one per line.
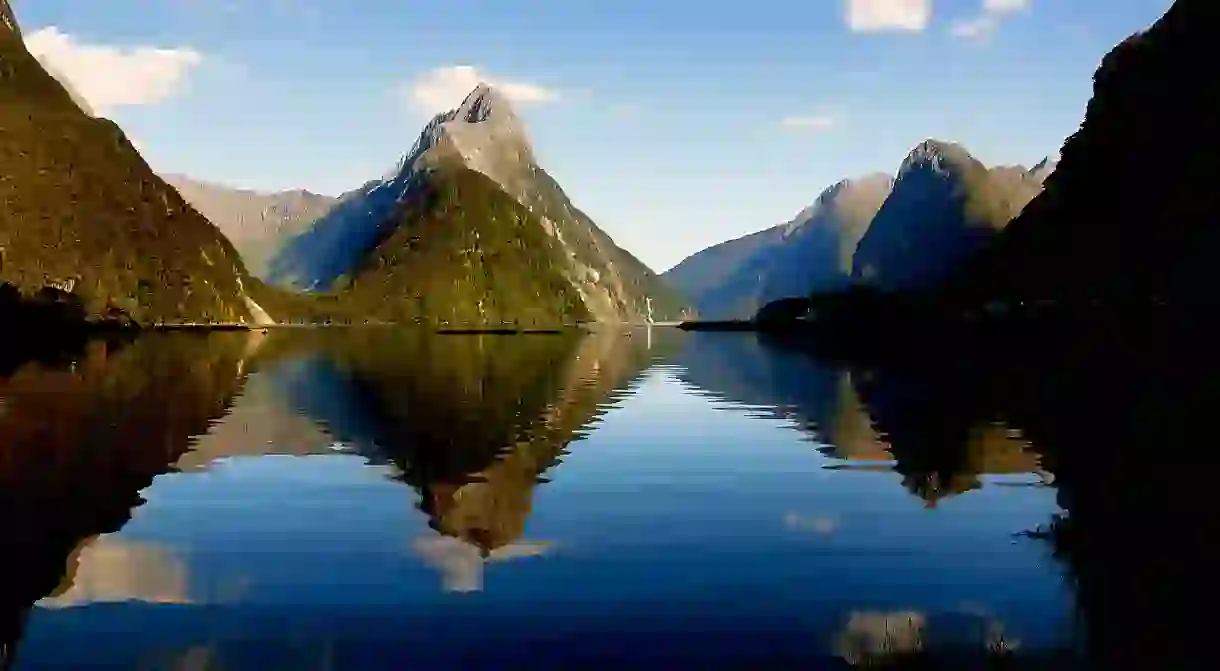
x=866, y=16
x=110, y=76
x=1005, y=6
x=977, y=28
x=981, y=27
x=816, y=122
x=444, y=88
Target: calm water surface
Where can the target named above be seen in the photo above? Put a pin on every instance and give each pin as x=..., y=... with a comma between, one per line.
x=381, y=499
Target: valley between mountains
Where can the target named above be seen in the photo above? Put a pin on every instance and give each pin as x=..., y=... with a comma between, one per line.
x=469, y=230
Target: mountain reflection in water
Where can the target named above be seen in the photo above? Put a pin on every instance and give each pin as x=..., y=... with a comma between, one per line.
x=374, y=498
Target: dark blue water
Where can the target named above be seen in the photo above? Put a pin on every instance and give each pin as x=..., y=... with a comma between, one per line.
x=379, y=500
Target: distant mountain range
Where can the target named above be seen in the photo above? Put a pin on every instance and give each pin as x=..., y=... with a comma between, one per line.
x=891, y=232
x=86, y=226
x=468, y=229
x=256, y=223
x=465, y=229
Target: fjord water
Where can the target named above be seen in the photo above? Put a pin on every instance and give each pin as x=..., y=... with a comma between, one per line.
x=376, y=498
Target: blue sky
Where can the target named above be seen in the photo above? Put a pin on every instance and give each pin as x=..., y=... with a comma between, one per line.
x=675, y=124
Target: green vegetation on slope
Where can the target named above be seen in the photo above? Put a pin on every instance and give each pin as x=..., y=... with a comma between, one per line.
x=80, y=211
x=464, y=253
x=287, y=306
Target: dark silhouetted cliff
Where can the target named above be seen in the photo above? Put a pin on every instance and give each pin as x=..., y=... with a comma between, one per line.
x=1127, y=215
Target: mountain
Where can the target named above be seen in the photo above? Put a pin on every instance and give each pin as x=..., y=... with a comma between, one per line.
x=1043, y=169
x=67, y=84
x=895, y=232
x=464, y=252
x=256, y=223
x=478, y=150
x=818, y=248
x=710, y=268
x=736, y=296
x=85, y=223
x=812, y=252
x=1127, y=214
x=944, y=206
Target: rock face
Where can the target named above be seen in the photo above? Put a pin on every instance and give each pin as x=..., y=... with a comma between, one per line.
x=1127, y=214
x=258, y=224
x=84, y=221
x=819, y=246
x=481, y=137
x=944, y=206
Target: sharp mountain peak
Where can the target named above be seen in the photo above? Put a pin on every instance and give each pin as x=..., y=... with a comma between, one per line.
x=939, y=155
x=483, y=103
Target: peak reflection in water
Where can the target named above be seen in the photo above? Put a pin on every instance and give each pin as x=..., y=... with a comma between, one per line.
x=922, y=424
x=471, y=423
x=82, y=432
x=371, y=498
x=1092, y=410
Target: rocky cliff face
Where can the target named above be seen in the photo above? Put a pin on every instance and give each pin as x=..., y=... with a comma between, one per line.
x=485, y=137
x=258, y=224
x=86, y=223
x=1126, y=215
x=944, y=206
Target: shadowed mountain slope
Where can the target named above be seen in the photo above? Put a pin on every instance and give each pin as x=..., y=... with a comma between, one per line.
x=1127, y=213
